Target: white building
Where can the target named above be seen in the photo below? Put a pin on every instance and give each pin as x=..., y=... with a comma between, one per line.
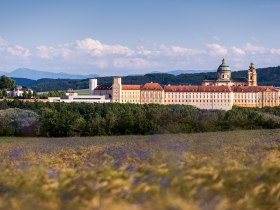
x=71, y=96
x=19, y=91
x=222, y=93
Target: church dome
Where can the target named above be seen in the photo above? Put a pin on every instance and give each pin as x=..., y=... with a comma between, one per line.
x=224, y=66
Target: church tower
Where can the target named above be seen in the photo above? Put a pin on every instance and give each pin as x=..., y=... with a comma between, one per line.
x=117, y=90
x=224, y=72
x=252, y=75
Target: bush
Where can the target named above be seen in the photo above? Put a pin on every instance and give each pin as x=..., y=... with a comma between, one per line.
x=69, y=119
x=20, y=122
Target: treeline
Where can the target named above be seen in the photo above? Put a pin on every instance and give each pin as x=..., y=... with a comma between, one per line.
x=266, y=76
x=70, y=119
x=6, y=83
x=53, y=93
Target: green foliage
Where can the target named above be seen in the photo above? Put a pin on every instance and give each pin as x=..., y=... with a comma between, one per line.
x=24, y=94
x=4, y=93
x=53, y=93
x=66, y=119
x=18, y=122
x=35, y=95
x=6, y=83
x=60, y=122
x=266, y=76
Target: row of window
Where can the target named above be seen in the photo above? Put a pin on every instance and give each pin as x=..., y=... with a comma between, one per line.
x=131, y=93
x=197, y=96
x=132, y=96
x=256, y=101
x=197, y=101
x=130, y=101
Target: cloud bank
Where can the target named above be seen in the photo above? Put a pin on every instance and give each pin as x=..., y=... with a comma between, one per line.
x=93, y=56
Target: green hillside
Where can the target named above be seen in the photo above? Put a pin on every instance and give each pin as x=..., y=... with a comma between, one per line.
x=266, y=76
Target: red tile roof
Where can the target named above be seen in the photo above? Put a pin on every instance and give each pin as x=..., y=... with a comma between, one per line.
x=131, y=87
x=192, y=88
x=103, y=87
x=151, y=86
x=253, y=88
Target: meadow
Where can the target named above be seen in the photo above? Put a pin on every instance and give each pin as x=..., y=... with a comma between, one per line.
x=215, y=170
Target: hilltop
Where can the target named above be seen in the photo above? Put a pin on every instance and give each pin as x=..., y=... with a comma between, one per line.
x=32, y=74
x=266, y=76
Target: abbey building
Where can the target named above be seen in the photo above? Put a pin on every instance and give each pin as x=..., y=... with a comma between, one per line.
x=224, y=77
x=222, y=93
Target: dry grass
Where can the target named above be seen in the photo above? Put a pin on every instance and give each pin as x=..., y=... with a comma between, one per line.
x=229, y=170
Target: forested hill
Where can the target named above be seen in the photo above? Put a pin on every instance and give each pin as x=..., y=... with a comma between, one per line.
x=266, y=76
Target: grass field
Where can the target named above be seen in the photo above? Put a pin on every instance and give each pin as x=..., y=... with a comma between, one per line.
x=82, y=91
x=227, y=170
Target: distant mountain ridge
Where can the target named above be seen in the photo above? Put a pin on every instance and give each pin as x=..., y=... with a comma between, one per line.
x=32, y=74
x=35, y=74
x=178, y=72
x=266, y=76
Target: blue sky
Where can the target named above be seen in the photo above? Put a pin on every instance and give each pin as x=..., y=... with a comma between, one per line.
x=110, y=37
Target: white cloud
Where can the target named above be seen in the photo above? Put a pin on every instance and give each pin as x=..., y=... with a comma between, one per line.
x=101, y=63
x=216, y=38
x=254, y=39
x=217, y=50
x=275, y=51
x=19, y=51
x=238, y=51
x=253, y=49
x=13, y=50
x=96, y=48
x=3, y=42
x=92, y=54
x=46, y=52
x=50, y=52
x=134, y=63
x=178, y=51
x=147, y=52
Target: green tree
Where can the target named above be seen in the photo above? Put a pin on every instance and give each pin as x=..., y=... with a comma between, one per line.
x=58, y=123
x=18, y=122
x=6, y=83
x=110, y=120
x=29, y=94
x=24, y=94
x=96, y=125
x=4, y=93
x=35, y=95
x=126, y=123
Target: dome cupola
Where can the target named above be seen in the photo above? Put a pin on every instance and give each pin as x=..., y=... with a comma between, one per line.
x=224, y=71
x=224, y=66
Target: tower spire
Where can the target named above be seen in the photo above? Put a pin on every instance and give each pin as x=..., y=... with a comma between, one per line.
x=252, y=66
x=252, y=75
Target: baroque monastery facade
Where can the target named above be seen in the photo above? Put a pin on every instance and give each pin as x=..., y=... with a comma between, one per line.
x=222, y=93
